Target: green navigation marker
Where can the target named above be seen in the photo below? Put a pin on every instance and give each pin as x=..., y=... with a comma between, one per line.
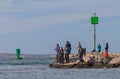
x=18, y=53
x=94, y=20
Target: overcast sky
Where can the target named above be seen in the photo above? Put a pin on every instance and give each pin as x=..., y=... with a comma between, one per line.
x=35, y=26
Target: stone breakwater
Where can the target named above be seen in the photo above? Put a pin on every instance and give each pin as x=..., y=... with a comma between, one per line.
x=91, y=60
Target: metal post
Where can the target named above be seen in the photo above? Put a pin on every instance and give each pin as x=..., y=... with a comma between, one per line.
x=94, y=20
x=94, y=37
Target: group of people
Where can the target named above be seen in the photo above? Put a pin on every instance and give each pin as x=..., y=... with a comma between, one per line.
x=63, y=51
x=106, y=49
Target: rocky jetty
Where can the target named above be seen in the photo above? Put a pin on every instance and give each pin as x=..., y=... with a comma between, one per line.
x=91, y=60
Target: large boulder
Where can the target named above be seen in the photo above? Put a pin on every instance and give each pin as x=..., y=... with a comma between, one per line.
x=115, y=61
x=86, y=58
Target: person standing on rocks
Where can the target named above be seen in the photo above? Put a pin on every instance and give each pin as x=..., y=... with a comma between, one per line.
x=61, y=55
x=80, y=52
x=106, y=47
x=66, y=53
x=57, y=49
x=69, y=46
x=106, y=50
x=79, y=47
x=99, y=48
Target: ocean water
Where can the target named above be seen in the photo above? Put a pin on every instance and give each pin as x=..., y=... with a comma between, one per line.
x=37, y=67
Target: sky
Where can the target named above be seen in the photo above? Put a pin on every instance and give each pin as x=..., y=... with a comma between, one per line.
x=36, y=26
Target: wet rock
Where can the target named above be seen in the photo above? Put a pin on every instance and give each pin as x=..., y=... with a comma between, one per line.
x=98, y=65
x=81, y=65
x=56, y=65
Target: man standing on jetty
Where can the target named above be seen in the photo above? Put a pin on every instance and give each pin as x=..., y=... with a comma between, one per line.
x=69, y=46
x=80, y=52
x=99, y=48
x=106, y=47
x=106, y=50
x=67, y=51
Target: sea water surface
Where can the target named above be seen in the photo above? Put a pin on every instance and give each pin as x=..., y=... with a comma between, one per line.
x=37, y=67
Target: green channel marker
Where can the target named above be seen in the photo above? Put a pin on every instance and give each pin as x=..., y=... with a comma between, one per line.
x=18, y=53
x=94, y=20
